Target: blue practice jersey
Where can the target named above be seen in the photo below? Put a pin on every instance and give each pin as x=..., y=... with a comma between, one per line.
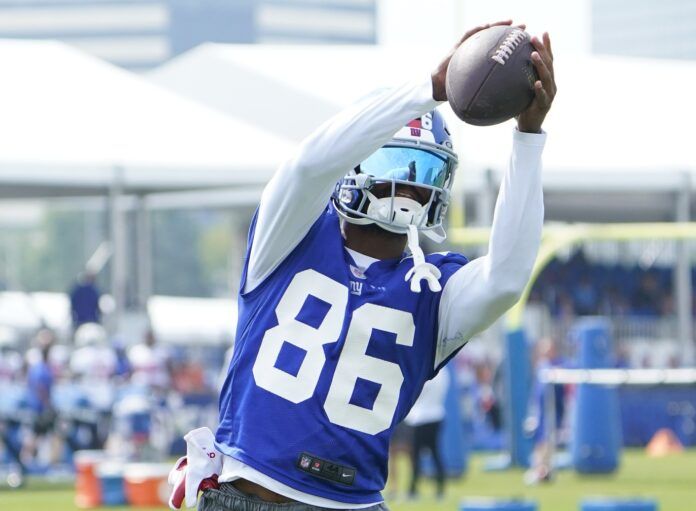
x=327, y=360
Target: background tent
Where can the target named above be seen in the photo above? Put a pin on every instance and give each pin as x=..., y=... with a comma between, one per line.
x=69, y=120
x=617, y=137
x=73, y=125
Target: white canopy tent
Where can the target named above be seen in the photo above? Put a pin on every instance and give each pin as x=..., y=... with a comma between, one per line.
x=73, y=125
x=69, y=120
x=618, y=124
x=173, y=319
x=621, y=145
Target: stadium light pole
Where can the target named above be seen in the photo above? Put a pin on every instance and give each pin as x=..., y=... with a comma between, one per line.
x=117, y=237
x=144, y=252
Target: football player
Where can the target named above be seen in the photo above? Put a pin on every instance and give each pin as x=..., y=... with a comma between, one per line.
x=339, y=329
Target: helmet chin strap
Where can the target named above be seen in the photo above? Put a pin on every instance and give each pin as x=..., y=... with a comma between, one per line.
x=421, y=270
x=406, y=214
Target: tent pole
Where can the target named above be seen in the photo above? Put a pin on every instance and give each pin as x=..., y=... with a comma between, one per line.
x=117, y=234
x=682, y=276
x=144, y=252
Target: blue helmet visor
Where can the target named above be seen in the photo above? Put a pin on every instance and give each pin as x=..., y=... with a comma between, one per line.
x=408, y=164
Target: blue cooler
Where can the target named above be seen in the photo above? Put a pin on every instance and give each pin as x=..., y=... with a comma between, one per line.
x=497, y=505
x=618, y=504
x=110, y=475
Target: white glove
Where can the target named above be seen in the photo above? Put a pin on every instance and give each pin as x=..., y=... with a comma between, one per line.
x=196, y=471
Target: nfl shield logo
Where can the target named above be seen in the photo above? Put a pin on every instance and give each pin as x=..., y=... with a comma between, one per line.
x=305, y=461
x=358, y=273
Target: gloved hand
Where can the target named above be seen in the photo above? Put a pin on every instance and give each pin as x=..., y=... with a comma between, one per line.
x=197, y=471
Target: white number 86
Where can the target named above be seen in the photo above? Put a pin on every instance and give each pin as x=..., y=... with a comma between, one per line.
x=353, y=362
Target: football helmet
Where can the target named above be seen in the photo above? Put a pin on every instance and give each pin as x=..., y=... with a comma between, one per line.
x=420, y=155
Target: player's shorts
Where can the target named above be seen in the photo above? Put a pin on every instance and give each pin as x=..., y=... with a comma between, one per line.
x=228, y=497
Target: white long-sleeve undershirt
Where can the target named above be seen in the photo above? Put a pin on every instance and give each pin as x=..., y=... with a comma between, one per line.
x=472, y=298
x=478, y=293
x=298, y=192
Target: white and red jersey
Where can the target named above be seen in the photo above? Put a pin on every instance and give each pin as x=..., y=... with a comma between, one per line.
x=149, y=365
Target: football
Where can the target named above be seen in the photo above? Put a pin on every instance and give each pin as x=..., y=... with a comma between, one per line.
x=490, y=77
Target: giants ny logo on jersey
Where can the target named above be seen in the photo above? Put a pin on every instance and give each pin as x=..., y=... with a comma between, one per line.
x=356, y=288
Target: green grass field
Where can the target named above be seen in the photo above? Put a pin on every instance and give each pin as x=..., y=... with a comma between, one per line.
x=670, y=480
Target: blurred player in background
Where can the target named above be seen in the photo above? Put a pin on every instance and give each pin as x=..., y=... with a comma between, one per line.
x=545, y=433
x=93, y=366
x=338, y=329
x=150, y=364
x=426, y=418
x=40, y=382
x=84, y=301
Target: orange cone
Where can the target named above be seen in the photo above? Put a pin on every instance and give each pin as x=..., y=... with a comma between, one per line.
x=664, y=442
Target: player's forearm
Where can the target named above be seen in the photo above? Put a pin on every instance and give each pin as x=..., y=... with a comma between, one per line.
x=477, y=294
x=304, y=183
x=518, y=217
x=355, y=133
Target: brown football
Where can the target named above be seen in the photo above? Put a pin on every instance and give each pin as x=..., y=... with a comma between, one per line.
x=490, y=77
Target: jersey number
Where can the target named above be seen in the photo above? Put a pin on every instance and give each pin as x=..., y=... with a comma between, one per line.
x=353, y=362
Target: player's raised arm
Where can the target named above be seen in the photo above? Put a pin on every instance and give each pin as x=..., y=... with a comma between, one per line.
x=300, y=189
x=477, y=294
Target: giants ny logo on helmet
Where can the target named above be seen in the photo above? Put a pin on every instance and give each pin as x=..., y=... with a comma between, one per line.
x=420, y=155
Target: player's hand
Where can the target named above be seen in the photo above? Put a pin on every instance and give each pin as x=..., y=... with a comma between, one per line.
x=544, y=88
x=197, y=471
x=185, y=486
x=440, y=73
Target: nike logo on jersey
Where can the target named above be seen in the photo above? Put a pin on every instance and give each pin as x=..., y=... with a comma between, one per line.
x=326, y=469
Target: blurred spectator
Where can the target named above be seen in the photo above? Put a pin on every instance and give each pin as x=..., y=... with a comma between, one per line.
x=92, y=357
x=622, y=359
x=58, y=355
x=123, y=368
x=545, y=432
x=647, y=298
x=150, y=363
x=40, y=381
x=579, y=287
x=84, y=301
x=93, y=366
x=487, y=395
x=426, y=418
x=40, y=377
x=188, y=377
x=585, y=297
